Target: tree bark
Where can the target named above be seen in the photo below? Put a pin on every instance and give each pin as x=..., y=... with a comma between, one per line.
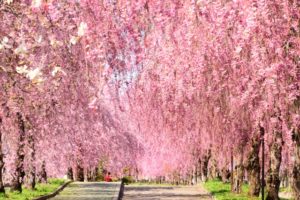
x=79, y=176
x=284, y=177
x=225, y=175
x=232, y=172
x=273, y=181
x=85, y=174
x=43, y=177
x=238, y=176
x=196, y=174
x=200, y=169
x=70, y=173
x=296, y=165
x=95, y=175
x=31, y=176
x=204, y=168
x=214, y=171
x=2, y=190
x=19, y=173
x=253, y=167
x=91, y=174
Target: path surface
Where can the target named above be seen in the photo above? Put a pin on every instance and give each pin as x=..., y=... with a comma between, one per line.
x=89, y=191
x=134, y=192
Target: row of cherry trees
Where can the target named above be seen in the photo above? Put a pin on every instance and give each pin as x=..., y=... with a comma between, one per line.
x=59, y=68
x=217, y=77
x=160, y=87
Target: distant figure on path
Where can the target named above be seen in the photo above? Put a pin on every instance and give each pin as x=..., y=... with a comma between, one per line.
x=107, y=177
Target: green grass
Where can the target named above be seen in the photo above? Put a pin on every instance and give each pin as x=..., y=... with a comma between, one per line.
x=286, y=189
x=41, y=189
x=222, y=191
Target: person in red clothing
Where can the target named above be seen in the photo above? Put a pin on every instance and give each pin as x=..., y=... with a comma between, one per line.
x=107, y=177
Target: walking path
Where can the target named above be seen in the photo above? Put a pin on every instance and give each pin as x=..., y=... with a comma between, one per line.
x=153, y=192
x=89, y=191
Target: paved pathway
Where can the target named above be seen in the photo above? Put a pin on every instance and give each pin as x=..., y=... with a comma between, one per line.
x=89, y=191
x=152, y=192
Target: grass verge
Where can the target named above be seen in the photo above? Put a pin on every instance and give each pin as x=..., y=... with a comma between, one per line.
x=221, y=191
x=41, y=189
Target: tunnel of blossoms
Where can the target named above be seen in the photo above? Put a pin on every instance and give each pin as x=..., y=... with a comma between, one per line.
x=153, y=88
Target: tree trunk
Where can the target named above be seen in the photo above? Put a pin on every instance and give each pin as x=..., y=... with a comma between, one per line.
x=196, y=174
x=91, y=173
x=79, y=176
x=273, y=181
x=95, y=176
x=296, y=165
x=253, y=167
x=85, y=174
x=225, y=175
x=284, y=177
x=31, y=182
x=70, y=173
x=1, y=161
x=43, y=174
x=204, y=168
x=192, y=178
x=19, y=174
x=238, y=176
x=213, y=170
x=232, y=172
x=200, y=169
